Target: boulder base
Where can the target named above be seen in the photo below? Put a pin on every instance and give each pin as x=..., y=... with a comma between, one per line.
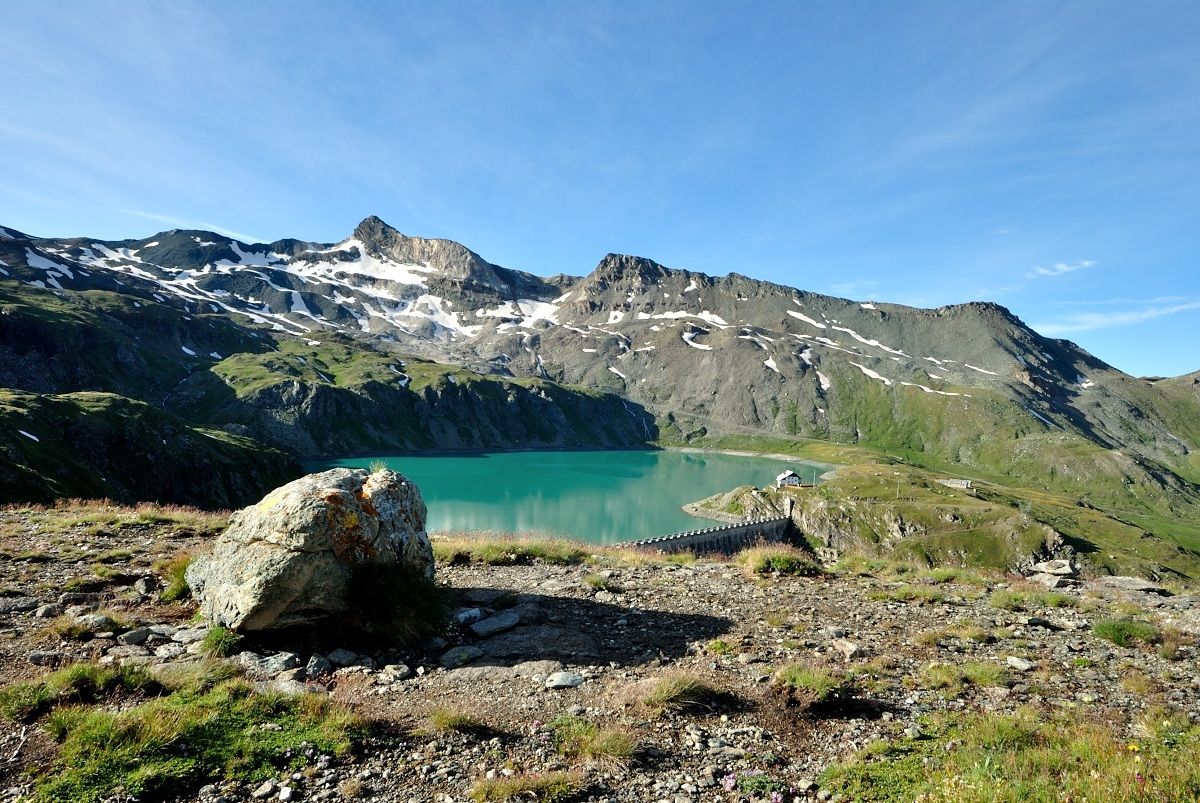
x=289, y=560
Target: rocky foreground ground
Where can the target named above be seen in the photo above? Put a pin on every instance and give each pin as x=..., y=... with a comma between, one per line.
x=619, y=678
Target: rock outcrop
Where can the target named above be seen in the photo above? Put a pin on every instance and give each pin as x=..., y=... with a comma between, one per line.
x=290, y=560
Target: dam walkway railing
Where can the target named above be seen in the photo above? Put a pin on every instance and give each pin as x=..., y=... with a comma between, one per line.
x=727, y=538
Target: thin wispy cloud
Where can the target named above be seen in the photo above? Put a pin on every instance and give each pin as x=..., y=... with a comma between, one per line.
x=1060, y=268
x=1125, y=300
x=852, y=287
x=1092, y=321
x=184, y=223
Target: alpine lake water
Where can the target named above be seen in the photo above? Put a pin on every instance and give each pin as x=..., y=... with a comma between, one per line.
x=596, y=496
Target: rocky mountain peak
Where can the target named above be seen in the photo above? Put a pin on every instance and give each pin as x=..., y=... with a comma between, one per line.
x=452, y=260
x=616, y=268
x=373, y=229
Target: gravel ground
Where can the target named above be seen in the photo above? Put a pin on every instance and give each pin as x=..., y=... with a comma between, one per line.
x=536, y=642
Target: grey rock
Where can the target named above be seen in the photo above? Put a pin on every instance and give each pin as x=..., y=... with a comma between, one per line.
x=188, y=635
x=1049, y=580
x=48, y=611
x=540, y=641
x=1135, y=584
x=1060, y=568
x=468, y=615
x=398, y=671
x=563, y=680
x=145, y=586
x=342, y=657
x=169, y=650
x=287, y=686
x=474, y=674
x=137, y=635
x=81, y=598
x=483, y=596
x=128, y=651
x=1019, y=664
x=529, y=669
x=281, y=662
x=289, y=560
x=46, y=657
x=848, y=649
x=265, y=790
x=317, y=665
x=496, y=624
x=99, y=623
x=286, y=794
x=18, y=604
x=458, y=656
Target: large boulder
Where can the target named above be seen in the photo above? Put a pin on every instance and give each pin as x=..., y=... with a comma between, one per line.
x=290, y=560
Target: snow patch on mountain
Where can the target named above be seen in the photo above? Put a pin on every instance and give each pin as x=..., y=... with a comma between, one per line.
x=981, y=370
x=36, y=260
x=871, y=373
x=801, y=316
x=867, y=341
x=761, y=341
x=364, y=264
x=704, y=315
x=931, y=390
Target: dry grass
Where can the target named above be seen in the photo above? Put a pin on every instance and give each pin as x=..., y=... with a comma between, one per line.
x=548, y=787
x=443, y=720
x=679, y=691
x=777, y=559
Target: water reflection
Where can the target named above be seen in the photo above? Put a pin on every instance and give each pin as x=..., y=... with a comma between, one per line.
x=597, y=496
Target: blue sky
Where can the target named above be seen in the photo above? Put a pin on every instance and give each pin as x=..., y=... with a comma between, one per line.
x=1042, y=155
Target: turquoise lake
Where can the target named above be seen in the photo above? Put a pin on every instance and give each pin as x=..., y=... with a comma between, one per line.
x=600, y=496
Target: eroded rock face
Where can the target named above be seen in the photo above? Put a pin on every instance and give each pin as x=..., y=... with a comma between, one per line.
x=289, y=560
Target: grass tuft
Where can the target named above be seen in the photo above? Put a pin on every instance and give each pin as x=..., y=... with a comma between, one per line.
x=576, y=737
x=815, y=684
x=953, y=678
x=397, y=605
x=1007, y=600
x=680, y=691
x=925, y=595
x=548, y=787
x=72, y=685
x=220, y=642
x=778, y=560
x=169, y=746
x=1030, y=755
x=507, y=550
x=444, y=720
x=173, y=571
x=1126, y=632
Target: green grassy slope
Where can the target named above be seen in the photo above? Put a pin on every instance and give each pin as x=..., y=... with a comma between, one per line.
x=101, y=445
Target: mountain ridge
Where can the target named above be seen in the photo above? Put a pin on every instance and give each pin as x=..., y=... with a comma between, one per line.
x=708, y=358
